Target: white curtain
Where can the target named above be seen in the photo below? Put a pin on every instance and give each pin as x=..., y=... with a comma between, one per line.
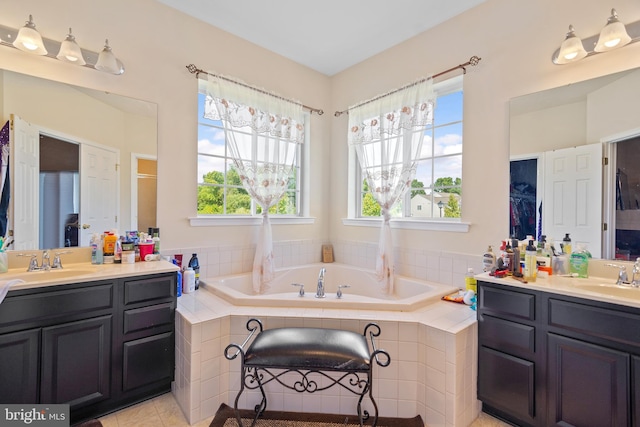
x=387, y=135
x=263, y=132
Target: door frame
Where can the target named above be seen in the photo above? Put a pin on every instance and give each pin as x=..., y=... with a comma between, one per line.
x=609, y=190
x=72, y=139
x=134, y=186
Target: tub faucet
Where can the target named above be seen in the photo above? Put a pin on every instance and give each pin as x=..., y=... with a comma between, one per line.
x=320, y=291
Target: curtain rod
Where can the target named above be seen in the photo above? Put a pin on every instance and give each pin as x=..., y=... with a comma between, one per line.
x=197, y=71
x=473, y=61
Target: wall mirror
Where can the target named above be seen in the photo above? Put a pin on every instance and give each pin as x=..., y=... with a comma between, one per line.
x=81, y=161
x=575, y=165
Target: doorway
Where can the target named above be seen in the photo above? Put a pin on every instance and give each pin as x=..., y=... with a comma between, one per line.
x=59, y=181
x=522, y=198
x=627, y=199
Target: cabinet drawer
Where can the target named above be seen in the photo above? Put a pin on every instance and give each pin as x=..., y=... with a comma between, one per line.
x=148, y=317
x=599, y=322
x=507, y=303
x=149, y=289
x=507, y=336
x=45, y=306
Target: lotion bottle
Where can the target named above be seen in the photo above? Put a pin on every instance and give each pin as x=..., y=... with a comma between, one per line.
x=530, y=263
x=488, y=259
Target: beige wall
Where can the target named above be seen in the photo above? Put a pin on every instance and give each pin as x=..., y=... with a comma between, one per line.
x=514, y=38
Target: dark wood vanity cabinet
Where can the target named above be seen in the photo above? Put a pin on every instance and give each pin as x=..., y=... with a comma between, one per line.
x=547, y=359
x=96, y=346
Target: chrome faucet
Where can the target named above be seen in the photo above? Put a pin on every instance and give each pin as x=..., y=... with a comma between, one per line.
x=33, y=262
x=635, y=278
x=46, y=261
x=320, y=290
x=623, y=278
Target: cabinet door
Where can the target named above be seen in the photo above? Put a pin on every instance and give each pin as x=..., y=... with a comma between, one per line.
x=507, y=383
x=19, y=359
x=588, y=384
x=76, y=362
x=148, y=362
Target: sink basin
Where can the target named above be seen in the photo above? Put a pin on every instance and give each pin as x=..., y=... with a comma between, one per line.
x=612, y=290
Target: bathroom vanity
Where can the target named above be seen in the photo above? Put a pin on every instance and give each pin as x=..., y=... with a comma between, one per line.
x=556, y=352
x=98, y=341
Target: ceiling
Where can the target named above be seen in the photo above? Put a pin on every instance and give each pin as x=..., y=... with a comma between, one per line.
x=325, y=35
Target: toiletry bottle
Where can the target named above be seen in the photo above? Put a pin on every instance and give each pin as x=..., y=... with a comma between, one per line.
x=579, y=262
x=94, y=248
x=100, y=250
x=508, y=261
x=178, y=278
x=516, y=268
x=530, y=263
x=188, y=281
x=156, y=240
x=117, y=256
x=567, y=244
x=195, y=265
x=488, y=259
x=470, y=282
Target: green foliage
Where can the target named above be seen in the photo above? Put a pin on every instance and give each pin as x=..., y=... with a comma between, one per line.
x=211, y=197
x=417, y=184
x=448, y=185
x=452, y=208
x=369, y=205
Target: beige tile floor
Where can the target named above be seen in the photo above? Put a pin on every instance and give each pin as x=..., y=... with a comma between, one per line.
x=163, y=411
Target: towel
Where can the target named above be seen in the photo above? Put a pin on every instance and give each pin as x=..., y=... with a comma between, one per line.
x=5, y=285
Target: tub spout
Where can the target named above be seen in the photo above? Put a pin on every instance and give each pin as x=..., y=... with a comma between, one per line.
x=320, y=290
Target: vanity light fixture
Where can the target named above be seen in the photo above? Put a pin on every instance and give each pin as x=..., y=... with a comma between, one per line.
x=70, y=51
x=28, y=39
x=614, y=35
x=107, y=61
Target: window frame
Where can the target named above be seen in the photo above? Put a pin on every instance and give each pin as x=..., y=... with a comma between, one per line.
x=255, y=218
x=355, y=193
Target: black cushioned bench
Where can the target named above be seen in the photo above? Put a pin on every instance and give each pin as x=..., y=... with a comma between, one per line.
x=311, y=353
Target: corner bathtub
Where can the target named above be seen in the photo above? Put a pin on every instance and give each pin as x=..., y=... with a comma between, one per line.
x=364, y=291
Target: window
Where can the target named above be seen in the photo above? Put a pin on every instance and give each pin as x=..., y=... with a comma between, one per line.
x=220, y=191
x=436, y=188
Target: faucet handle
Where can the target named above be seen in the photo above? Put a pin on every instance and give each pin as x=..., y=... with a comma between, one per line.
x=623, y=278
x=33, y=262
x=57, y=263
x=339, y=293
x=301, y=286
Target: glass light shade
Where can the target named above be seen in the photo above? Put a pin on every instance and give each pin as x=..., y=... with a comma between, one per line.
x=70, y=51
x=29, y=39
x=107, y=61
x=613, y=36
x=571, y=48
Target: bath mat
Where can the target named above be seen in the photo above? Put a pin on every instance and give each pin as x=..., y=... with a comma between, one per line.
x=225, y=417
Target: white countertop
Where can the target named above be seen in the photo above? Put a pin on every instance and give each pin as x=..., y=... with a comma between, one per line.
x=82, y=272
x=593, y=288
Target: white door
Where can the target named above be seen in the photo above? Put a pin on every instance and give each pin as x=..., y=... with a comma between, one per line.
x=572, y=200
x=98, y=191
x=24, y=141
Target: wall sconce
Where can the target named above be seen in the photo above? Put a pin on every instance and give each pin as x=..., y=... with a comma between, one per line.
x=28, y=39
x=614, y=35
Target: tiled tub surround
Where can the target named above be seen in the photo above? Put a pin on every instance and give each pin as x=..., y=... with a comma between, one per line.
x=448, y=268
x=433, y=351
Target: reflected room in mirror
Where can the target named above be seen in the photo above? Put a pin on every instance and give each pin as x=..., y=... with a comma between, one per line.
x=575, y=155
x=81, y=161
